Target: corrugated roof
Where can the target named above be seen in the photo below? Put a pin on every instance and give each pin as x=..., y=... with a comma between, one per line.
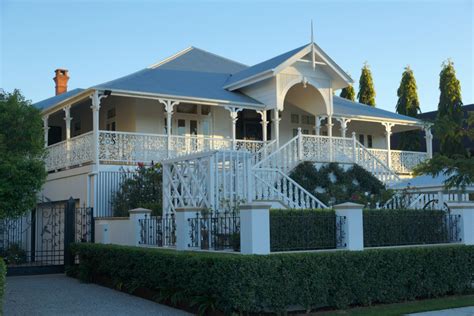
x=346, y=107
x=179, y=83
x=56, y=99
x=263, y=66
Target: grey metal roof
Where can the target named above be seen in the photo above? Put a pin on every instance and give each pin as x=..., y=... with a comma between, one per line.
x=346, y=107
x=56, y=99
x=192, y=84
x=263, y=66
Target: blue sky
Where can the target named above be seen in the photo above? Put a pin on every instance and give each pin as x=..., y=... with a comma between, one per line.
x=102, y=40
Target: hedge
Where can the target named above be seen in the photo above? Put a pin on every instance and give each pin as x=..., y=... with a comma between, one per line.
x=251, y=283
x=3, y=273
x=302, y=229
x=404, y=227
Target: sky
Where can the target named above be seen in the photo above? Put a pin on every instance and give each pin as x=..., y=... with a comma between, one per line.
x=98, y=41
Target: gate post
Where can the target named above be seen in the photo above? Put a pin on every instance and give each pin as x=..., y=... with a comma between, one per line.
x=69, y=231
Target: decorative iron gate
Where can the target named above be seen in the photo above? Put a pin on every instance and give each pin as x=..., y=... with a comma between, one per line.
x=38, y=242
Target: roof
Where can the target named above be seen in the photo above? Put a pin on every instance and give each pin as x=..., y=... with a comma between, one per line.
x=432, y=114
x=263, y=66
x=423, y=182
x=345, y=107
x=58, y=98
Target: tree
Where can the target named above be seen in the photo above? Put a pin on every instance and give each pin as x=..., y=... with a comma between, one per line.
x=348, y=93
x=22, y=170
x=409, y=105
x=366, y=94
x=449, y=110
x=459, y=168
x=143, y=189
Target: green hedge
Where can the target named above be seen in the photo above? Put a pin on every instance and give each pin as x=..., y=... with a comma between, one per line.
x=239, y=283
x=302, y=229
x=3, y=273
x=404, y=227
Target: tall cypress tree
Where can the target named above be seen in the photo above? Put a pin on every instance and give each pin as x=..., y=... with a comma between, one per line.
x=449, y=111
x=366, y=93
x=348, y=93
x=409, y=105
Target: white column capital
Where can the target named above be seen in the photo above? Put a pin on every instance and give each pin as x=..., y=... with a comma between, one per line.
x=45, y=119
x=388, y=127
x=67, y=114
x=233, y=110
x=169, y=105
x=343, y=121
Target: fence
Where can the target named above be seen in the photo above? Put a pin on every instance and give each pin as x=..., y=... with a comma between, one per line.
x=395, y=228
x=158, y=231
x=215, y=230
x=108, y=184
x=305, y=230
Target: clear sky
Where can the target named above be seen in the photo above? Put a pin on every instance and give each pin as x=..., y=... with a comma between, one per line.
x=103, y=40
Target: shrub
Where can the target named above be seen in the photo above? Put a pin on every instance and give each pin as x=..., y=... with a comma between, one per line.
x=239, y=283
x=3, y=273
x=143, y=189
x=404, y=227
x=332, y=184
x=14, y=254
x=302, y=229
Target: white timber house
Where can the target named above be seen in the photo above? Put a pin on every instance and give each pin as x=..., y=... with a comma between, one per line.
x=222, y=130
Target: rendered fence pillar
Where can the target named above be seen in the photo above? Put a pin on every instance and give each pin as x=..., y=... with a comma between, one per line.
x=466, y=210
x=255, y=229
x=135, y=216
x=354, y=226
x=183, y=238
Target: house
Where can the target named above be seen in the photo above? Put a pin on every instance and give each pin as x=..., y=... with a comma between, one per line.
x=278, y=112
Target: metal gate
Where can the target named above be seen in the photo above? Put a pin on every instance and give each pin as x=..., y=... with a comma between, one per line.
x=39, y=241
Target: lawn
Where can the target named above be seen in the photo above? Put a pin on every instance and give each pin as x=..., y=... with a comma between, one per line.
x=409, y=307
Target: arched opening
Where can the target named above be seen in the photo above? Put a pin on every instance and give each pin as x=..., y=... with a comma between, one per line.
x=302, y=104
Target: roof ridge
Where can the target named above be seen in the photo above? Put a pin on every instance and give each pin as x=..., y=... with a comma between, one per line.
x=188, y=49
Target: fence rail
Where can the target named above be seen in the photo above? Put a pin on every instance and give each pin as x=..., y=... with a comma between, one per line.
x=215, y=230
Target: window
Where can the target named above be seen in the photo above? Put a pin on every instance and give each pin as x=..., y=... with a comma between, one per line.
x=369, y=141
x=181, y=127
x=307, y=119
x=110, y=122
x=111, y=113
x=295, y=132
x=295, y=119
x=187, y=108
x=205, y=109
x=165, y=126
x=76, y=130
x=306, y=132
x=361, y=139
x=324, y=133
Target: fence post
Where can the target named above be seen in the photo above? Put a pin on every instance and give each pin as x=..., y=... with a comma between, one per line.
x=183, y=237
x=255, y=229
x=69, y=231
x=466, y=210
x=354, y=226
x=135, y=216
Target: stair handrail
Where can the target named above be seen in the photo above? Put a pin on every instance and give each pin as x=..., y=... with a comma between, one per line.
x=305, y=192
x=267, y=149
x=274, y=154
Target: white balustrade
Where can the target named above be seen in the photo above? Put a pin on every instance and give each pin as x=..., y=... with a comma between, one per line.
x=401, y=161
x=73, y=152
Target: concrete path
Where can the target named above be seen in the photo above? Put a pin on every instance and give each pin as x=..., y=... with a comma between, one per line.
x=462, y=311
x=56, y=294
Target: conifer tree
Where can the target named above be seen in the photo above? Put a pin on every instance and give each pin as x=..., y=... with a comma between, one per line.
x=449, y=110
x=348, y=93
x=408, y=105
x=366, y=93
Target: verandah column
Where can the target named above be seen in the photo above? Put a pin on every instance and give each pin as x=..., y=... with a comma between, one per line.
x=343, y=121
x=169, y=109
x=317, y=127
x=388, y=133
x=46, y=130
x=329, y=128
x=276, y=126
x=234, y=111
x=429, y=141
x=67, y=121
x=264, y=122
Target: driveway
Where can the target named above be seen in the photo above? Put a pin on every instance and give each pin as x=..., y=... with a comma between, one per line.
x=56, y=294
x=462, y=311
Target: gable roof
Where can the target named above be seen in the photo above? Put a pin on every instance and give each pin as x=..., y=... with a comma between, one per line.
x=42, y=105
x=196, y=59
x=272, y=65
x=348, y=108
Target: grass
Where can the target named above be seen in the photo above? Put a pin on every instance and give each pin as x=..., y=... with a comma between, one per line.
x=408, y=307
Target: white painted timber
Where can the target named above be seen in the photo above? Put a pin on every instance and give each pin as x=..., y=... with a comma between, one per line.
x=354, y=227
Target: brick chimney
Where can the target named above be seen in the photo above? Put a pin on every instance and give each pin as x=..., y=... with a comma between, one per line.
x=61, y=78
